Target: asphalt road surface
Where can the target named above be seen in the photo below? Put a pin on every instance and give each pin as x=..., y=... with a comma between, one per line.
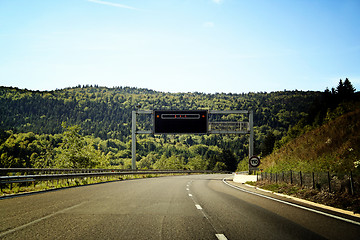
x=180, y=207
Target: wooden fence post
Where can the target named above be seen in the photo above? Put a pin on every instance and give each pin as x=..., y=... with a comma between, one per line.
x=313, y=180
x=351, y=183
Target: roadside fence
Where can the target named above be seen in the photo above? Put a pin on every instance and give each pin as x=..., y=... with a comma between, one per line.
x=322, y=181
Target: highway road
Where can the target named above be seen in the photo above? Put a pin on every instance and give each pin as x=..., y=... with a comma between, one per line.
x=179, y=207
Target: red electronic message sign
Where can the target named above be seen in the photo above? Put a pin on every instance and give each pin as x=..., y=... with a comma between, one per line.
x=182, y=121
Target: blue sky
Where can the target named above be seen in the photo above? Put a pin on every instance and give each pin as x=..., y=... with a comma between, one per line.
x=180, y=45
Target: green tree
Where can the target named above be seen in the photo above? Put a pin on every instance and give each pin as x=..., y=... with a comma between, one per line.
x=348, y=87
x=344, y=90
x=229, y=160
x=173, y=163
x=220, y=166
x=75, y=152
x=267, y=145
x=197, y=163
x=148, y=161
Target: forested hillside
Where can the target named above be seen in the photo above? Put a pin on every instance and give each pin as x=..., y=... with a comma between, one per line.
x=332, y=147
x=327, y=139
x=106, y=112
x=35, y=124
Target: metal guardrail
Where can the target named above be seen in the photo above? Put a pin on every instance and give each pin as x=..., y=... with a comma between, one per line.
x=6, y=171
x=11, y=175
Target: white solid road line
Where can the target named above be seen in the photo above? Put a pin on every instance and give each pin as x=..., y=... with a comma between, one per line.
x=198, y=206
x=38, y=220
x=292, y=204
x=221, y=236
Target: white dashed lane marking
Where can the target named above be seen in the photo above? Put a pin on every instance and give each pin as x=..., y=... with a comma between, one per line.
x=221, y=236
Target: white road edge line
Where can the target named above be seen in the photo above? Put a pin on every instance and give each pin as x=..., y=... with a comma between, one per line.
x=38, y=220
x=221, y=236
x=198, y=206
x=294, y=205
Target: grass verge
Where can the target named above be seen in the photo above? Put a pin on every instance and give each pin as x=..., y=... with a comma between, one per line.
x=344, y=201
x=17, y=188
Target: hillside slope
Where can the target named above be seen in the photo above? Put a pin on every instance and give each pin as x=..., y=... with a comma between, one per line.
x=335, y=147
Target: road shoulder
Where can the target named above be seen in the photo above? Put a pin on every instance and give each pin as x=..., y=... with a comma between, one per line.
x=294, y=200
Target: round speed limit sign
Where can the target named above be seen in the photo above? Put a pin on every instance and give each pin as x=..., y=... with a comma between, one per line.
x=254, y=161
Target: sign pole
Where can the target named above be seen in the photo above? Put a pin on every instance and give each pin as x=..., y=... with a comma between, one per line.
x=251, y=137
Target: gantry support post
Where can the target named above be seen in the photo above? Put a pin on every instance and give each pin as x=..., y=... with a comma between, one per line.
x=133, y=140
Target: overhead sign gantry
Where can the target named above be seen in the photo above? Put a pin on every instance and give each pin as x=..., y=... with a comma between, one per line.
x=192, y=122
x=180, y=122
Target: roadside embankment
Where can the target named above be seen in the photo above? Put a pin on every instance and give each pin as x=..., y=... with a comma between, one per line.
x=294, y=195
